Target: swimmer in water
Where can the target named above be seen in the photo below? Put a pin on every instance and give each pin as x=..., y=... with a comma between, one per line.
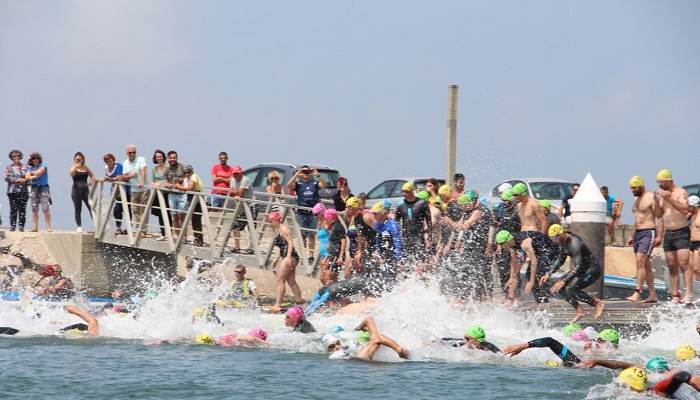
x=295, y=318
x=474, y=338
x=255, y=338
x=366, y=352
x=91, y=328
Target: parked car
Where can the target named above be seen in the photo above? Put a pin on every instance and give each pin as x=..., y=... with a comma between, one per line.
x=390, y=189
x=258, y=177
x=552, y=189
x=693, y=190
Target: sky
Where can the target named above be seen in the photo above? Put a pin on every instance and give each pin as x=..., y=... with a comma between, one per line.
x=546, y=88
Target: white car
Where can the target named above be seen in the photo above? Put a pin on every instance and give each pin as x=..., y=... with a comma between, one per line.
x=551, y=189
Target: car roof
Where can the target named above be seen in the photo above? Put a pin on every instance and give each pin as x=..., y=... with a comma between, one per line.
x=296, y=166
x=529, y=180
x=410, y=178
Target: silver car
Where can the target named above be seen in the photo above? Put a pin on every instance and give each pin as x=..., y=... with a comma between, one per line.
x=390, y=189
x=551, y=189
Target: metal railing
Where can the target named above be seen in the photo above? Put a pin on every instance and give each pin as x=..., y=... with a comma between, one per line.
x=218, y=224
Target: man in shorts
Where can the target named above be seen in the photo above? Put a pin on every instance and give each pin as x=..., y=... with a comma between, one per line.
x=307, y=196
x=221, y=175
x=613, y=211
x=693, y=204
x=242, y=188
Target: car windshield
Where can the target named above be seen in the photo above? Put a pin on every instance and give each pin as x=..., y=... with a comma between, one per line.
x=330, y=176
x=550, y=190
x=693, y=190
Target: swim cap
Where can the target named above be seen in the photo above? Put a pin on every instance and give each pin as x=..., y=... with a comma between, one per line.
x=519, y=189
x=352, y=202
x=495, y=205
x=330, y=214
x=335, y=329
x=329, y=339
x=507, y=195
x=408, y=186
x=546, y=204
x=387, y=204
x=445, y=190
x=686, y=352
x=693, y=201
x=204, y=339
x=423, y=195
x=610, y=335
x=443, y=206
x=551, y=363
x=503, y=236
x=634, y=377
x=504, y=187
x=295, y=313
x=259, y=333
x=579, y=336
x=476, y=332
x=464, y=199
x=636, y=181
x=198, y=312
x=571, y=328
x=363, y=336
x=657, y=364
x=318, y=209
x=664, y=175
x=274, y=216
x=48, y=271
x=555, y=230
x=379, y=207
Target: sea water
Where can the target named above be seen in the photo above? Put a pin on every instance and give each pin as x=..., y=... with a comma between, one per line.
x=120, y=363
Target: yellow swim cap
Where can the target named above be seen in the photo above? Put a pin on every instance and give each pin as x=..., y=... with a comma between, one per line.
x=408, y=186
x=636, y=181
x=664, y=175
x=198, y=313
x=551, y=363
x=378, y=207
x=352, y=202
x=445, y=190
x=685, y=352
x=634, y=377
x=204, y=339
x=555, y=230
x=443, y=206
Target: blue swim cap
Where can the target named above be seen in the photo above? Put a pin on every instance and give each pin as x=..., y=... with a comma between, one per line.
x=387, y=204
x=335, y=329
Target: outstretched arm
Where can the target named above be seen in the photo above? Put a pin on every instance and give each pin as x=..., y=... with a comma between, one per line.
x=93, y=325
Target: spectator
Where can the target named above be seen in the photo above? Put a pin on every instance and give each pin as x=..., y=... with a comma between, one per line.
x=432, y=187
x=114, y=170
x=457, y=185
x=242, y=188
x=193, y=183
x=134, y=169
x=17, y=193
x=565, y=209
x=158, y=180
x=613, y=211
x=307, y=196
x=274, y=186
x=177, y=201
x=38, y=179
x=547, y=208
x=243, y=289
x=221, y=174
x=82, y=178
x=342, y=195
x=693, y=204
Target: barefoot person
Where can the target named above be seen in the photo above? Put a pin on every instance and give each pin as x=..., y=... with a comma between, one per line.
x=376, y=339
x=584, y=272
x=672, y=201
x=288, y=258
x=647, y=235
x=694, y=203
x=531, y=214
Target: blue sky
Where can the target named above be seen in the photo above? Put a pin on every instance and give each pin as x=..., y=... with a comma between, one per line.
x=547, y=88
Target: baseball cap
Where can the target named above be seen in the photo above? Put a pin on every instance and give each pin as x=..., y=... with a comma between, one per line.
x=237, y=169
x=693, y=201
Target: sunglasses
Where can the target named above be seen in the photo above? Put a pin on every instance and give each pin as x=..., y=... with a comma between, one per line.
x=555, y=238
x=275, y=179
x=130, y=152
x=333, y=345
x=240, y=272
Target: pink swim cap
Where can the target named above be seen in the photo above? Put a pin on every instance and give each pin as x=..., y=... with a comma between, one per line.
x=259, y=333
x=295, y=313
x=318, y=209
x=579, y=336
x=331, y=214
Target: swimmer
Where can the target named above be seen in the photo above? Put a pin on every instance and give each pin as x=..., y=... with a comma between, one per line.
x=295, y=318
x=608, y=341
x=367, y=351
x=255, y=338
x=474, y=338
x=5, y=330
x=358, y=308
x=92, y=327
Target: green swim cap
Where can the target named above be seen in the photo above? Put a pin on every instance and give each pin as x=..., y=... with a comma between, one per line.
x=519, y=189
x=503, y=236
x=495, y=205
x=476, y=332
x=657, y=364
x=423, y=195
x=363, y=337
x=507, y=195
x=610, y=335
x=471, y=194
x=546, y=204
x=571, y=328
x=464, y=199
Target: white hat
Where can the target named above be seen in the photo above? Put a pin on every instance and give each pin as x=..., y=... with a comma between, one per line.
x=693, y=201
x=329, y=340
x=504, y=187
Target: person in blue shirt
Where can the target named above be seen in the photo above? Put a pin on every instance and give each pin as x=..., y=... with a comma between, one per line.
x=389, y=247
x=306, y=190
x=613, y=212
x=38, y=180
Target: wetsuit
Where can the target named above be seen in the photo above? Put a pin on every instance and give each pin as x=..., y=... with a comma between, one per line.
x=451, y=263
x=79, y=194
x=389, y=243
x=282, y=244
x=459, y=342
x=353, y=239
x=304, y=326
x=411, y=216
x=370, y=236
x=669, y=386
x=545, y=252
x=335, y=240
x=585, y=271
x=510, y=221
x=568, y=358
x=475, y=265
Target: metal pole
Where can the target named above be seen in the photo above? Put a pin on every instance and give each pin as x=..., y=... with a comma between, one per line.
x=451, y=148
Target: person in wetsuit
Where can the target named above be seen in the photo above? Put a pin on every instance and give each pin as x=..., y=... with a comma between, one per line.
x=336, y=246
x=507, y=219
x=366, y=352
x=289, y=260
x=540, y=250
x=584, y=272
x=296, y=319
x=412, y=213
x=389, y=246
x=474, y=338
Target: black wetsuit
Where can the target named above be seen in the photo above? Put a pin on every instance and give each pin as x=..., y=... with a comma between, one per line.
x=370, y=236
x=304, y=326
x=510, y=221
x=545, y=252
x=475, y=265
x=411, y=216
x=282, y=244
x=585, y=271
x=335, y=238
x=459, y=342
x=79, y=194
